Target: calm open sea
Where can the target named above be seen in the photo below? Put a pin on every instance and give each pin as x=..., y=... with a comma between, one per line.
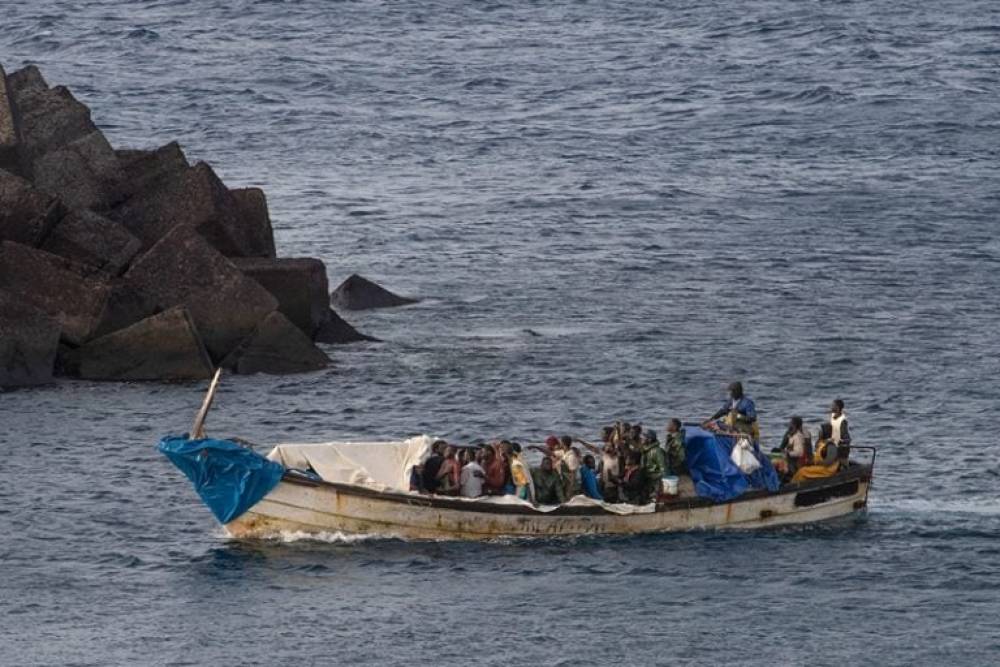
x=802, y=195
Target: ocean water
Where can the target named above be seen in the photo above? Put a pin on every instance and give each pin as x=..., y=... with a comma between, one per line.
x=611, y=210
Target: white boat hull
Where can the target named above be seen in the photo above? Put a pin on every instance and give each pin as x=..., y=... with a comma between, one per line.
x=296, y=506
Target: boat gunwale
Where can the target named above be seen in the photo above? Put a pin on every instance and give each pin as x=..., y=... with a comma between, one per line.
x=856, y=472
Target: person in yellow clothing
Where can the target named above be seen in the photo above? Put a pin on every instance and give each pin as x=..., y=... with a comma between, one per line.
x=825, y=458
x=520, y=475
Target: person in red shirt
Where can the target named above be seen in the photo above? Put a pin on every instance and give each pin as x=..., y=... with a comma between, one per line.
x=497, y=469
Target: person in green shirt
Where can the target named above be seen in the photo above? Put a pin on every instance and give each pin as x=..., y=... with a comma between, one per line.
x=675, y=448
x=549, y=487
x=654, y=463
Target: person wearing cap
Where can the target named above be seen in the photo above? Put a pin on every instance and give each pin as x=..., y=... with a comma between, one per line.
x=796, y=445
x=739, y=411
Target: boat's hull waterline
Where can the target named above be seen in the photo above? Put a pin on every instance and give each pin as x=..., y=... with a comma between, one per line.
x=303, y=506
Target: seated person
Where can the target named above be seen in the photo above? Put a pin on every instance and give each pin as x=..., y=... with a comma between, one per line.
x=633, y=485
x=433, y=465
x=824, y=461
x=675, y=448
x=796, y=445
x=549, y=489
x=449, y=473
x=588, y=478
x=417, y=479
x=471, y=479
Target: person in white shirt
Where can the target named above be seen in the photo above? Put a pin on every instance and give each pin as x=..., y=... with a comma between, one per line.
x=471, y=478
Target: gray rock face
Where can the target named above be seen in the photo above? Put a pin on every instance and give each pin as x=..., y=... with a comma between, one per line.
x=256, y=221
x=94, y=240
x=27, y=214
x=9, y=136
x=60, y=147
x=183, y=269
x=162, y=347
x=336, y=330
x=49, y=284
x=144, y=168
x=196, y=198
x=299, y=285
x=276, y=346
x=28, y=343
x=357, y=293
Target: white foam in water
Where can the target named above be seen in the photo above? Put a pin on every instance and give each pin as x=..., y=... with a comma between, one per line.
x=337, y=537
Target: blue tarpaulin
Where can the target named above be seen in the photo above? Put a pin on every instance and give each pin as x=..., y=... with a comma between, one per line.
x=715, y=475
x=229, y=478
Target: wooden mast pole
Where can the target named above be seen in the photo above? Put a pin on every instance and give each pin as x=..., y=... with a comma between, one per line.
x=198, y=428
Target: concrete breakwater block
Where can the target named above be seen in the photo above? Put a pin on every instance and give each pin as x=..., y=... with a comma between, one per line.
x=29, y=340
x=59, y=146
x=358, y=293
x=92, y=239
x=276, y=346
x=52, y=285
x=194, y=197
x=183, y=269
x=27, y=214
x=166, y=346
x=107, y=252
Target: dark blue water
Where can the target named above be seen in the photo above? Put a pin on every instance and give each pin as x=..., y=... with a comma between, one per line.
x=802, y=195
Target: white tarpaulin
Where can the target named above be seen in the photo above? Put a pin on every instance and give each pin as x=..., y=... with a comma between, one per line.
x=380, y=465
x=386, y=465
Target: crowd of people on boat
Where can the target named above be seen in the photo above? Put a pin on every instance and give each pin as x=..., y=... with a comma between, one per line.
x=630, y=463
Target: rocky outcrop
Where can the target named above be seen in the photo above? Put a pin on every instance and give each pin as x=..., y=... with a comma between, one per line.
x=337, y=331
x=54, y=286
x=276, y=346
x=93, y=240
x=184, y=269
x=357, y=293
x=27, y=214
x=28, y=343
x=135, y=264
x=124, y=354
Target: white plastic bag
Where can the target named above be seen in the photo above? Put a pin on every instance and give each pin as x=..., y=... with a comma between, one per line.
x=743, y=456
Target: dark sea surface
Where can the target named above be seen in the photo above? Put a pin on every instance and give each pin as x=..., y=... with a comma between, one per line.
x=802, y=195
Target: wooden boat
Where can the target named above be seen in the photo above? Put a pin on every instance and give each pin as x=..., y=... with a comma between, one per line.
x=305, y=503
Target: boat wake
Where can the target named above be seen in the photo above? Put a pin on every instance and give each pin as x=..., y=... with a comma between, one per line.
x=981, y=505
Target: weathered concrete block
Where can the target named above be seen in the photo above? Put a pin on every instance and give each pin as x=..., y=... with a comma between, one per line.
x=357, y=293
x=194, y=197
x=94, y=240
x=61, y=149
x=276, y=346
x=9, y=135
x=126, y=305
x=28, y=343
x=27, y=214
x=143, y=168
x=336, y=330
x=26, y=80
x=162, y=347
x=256, y=221
x=48, y=283
x=84, y=173
x=183, y=269
x=49, y=118
x=299, y=285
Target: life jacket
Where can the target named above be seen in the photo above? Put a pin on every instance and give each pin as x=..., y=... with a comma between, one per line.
x=835, y=424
